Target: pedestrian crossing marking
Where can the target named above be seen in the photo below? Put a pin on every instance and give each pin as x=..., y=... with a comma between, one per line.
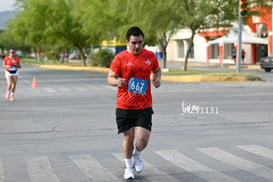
x=183, y=161
x=195, y=167
x=40, y=170
x=258, y=150
x=157, y=174
x=2, y=177
x=238, y=162
x=92, y=168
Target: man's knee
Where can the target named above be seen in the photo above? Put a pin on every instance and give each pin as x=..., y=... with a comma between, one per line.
x=143, y=136
x=129, y=134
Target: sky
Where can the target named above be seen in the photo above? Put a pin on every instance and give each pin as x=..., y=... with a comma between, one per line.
x=6, y=5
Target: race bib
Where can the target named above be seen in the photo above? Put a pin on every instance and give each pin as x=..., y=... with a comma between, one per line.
x=138, y=85
x=12, y=69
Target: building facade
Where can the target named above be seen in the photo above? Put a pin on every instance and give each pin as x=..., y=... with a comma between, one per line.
x=256, y=27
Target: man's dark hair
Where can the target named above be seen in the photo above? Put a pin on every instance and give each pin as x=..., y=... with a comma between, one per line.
x=135, y=31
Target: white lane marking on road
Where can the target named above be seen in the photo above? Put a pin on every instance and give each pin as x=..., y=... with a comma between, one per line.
x=258, y=150
x=80, y=88
x=111, y=88
x=40, y=170
x=65, y=89
x=92, y=168
x=157, y=174
x=2, y=177
x=194, y=167
x=50, y=90
x=238, y=162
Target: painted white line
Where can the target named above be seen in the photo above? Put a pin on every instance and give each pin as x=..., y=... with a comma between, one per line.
x=65, y=89
x=111, y=88
x=80, y=88
x=92, y=168
x=2, y=176
x=238, y=162
x=50, y=90
x=258, y=150
x=156, y=174
x=194, y=167
x=39, y=169
x=183, y=161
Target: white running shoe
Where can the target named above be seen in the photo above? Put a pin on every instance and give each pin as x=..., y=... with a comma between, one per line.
x=138, y=163
x=12, y=98
x=128, y=173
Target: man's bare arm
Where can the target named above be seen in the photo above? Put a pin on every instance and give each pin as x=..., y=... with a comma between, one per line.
x=114, y=80
x=157, y=77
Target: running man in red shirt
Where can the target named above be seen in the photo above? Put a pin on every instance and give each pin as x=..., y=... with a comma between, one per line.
x=130, y=71
x=12, y=64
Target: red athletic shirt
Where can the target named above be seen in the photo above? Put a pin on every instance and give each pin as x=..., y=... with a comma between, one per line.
x=140, y=66
x=8, y=61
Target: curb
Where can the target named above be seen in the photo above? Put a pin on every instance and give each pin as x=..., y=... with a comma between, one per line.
x=187, y=78
x=213, y=65
x=63, y=67
x=246, y=67
x=200, y=78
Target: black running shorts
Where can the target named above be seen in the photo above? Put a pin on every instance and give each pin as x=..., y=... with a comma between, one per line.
x=127, y=119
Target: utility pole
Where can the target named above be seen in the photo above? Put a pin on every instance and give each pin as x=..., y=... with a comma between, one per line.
x=239, y=47
x=242, y=12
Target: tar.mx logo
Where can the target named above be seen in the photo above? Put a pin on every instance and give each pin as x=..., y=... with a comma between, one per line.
x=197, y=109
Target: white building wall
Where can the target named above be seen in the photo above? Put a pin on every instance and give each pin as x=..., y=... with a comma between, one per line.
x=200, y=49
x=178, y=46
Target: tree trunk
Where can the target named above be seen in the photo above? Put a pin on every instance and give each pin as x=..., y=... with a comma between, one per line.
x=63, y=57
x=67, y=55
x=164, y=54
x=56, y=55
x=82, y=57
x=163, y=45
x=188, y=51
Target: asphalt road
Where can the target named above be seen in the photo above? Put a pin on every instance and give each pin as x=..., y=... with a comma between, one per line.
x=64, y=131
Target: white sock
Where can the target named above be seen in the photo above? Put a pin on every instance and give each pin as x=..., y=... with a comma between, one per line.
x=129, y=163
x=136, y=152
x=12, y=94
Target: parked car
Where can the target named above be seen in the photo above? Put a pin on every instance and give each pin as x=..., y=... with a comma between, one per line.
x=73, y=56
x=266, y=63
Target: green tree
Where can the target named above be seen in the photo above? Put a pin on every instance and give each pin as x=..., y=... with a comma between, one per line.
x=65, y=29
x=161, y=19
x=154, y=17
x=52, y=24
x=65, y=24
x=158, y=20
x=27, y=29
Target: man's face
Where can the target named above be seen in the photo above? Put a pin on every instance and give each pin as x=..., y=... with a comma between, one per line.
x=11, y=53
x=135, y=44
